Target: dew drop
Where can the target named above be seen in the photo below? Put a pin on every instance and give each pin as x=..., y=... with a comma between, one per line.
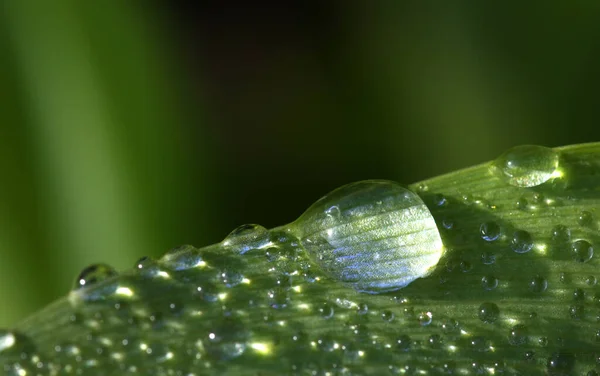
x=561, y=234
x=522, y=203
x=577, y=312
x=560, y=363
x=488, y=258
x=182, y=258
x=425, y=318
x=387, y=315
x=7, y=341
x=326, y=310
x=94, y=274
x=489, y=282
x=585, y=218
x=439, y=199
x=362, y=309
x=479, y=343
x=403, y=343
x=582, y=251
x=247, y=237
x=488, y=312
x=526, y=165
x=578, y=294
x=489, y=231
x=521, y=241
x=383, y=239
x=434, y=341
x=517, y=335
x=538, y=284
x=591, y=280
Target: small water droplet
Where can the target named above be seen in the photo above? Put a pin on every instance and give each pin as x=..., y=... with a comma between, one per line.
x=518, y=335
x=247, y=237
x=387, y=315
x=434, y=341
x=585, y=218
x=488, y=258
x=543, y=341
x=582, y=251
x=538, y=284
x=425, y=318
x=489, y=231
x=527, y=165
x=448, y=224
x=479, y=343
x=403, y=343
x=488, y=312
x=182, y=258
x=522, y=203
x=561, y=234
x=577, y=312
x=231, y=277
x=521, y=241
x=362, y=309
x=383, y=238
x=326, y=310
x=7, y=341
x=489, y=282
x=591, y=280
x=578, y=294
x=94, y=274
x=439, y=199
x=560, y=363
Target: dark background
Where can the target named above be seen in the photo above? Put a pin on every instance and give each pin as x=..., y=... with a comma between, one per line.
x=128, y=128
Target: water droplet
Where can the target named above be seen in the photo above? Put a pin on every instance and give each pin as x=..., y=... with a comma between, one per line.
x=489, y=231
x=582, y=251
x=488, y=312
x=543, y=341
x=561, y=234
x=560, y=363
x=517, y=335
x=7, y=341
x=231, y=277
x=479, y=343
x=577, y=312
x=448, y=223
x=527, y=165
x=591, y=280
x=522, y=203
x=439, y=199
x=451, y=328
x=387, y=315
x=434, y=341
x=425, y=318
x=362, y=309
x=585, y=218
x=488, y=258
x=247, y=237
x=538, y=284
x=403, y=343
x=326, y=310
x=384, y=238
x=226, y=340
x=521, y=241
x=489, y=282
x=94, y=274
x=182, y=258
x=578, y=294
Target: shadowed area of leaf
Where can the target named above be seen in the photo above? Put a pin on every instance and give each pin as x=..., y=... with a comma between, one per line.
x=514, y=293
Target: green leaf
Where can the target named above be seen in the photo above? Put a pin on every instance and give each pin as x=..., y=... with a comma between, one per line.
x=515, y=291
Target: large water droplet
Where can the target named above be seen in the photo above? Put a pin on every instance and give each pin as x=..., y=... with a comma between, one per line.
x=527, y=165
x=182, y=258
x=582, y=251
x=382, y=239
x=94, y=274
x=7, y=341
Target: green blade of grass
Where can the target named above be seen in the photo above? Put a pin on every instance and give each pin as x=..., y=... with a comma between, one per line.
x=511, y=295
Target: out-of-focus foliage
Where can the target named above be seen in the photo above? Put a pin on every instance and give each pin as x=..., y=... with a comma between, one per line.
x=128, y=128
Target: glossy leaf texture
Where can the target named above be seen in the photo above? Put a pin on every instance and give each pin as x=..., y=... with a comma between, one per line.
x=515, y=293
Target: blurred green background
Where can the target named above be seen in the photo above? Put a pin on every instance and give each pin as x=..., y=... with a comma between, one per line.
x=128, y=128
